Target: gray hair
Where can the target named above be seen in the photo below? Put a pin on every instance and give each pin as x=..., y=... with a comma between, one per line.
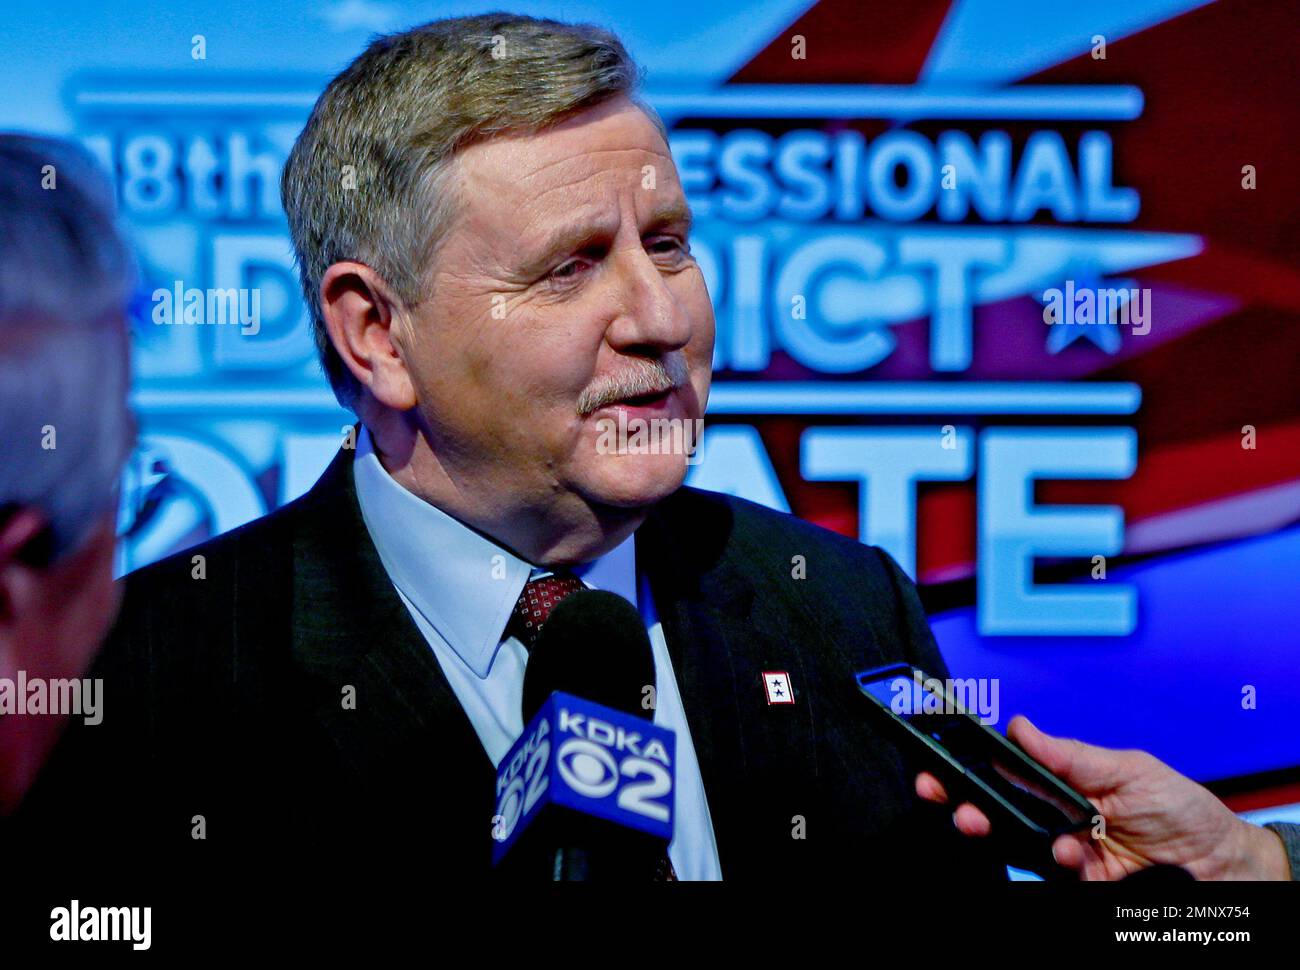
x=367, y=178
x=66, y=274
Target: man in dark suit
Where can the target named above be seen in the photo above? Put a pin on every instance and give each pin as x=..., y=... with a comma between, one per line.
x=232, y=685
x=494, y=245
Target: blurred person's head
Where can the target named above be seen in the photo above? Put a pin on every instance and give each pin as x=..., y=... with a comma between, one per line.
x=65, y=278
x=493, y=243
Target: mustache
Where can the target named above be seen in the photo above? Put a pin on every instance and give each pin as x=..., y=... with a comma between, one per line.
x=651, y=376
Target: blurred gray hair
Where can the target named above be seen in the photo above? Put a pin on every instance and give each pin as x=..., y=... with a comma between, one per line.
x=66, y=274
x=367, y=178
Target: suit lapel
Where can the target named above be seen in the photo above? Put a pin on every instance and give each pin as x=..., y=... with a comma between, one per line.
x=758, y=762
x=408, y=734
x=350, y=629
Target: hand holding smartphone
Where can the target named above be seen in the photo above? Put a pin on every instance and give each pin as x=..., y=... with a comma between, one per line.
x=1027, y=806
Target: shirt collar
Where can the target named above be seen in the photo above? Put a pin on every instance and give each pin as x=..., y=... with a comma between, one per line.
x=461, y=582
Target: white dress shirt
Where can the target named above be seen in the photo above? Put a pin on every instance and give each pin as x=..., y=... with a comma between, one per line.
x=460, y=588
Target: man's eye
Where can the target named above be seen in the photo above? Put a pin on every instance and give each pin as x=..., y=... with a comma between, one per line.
x=670, y=246
x=567, y=271
x=577, y=266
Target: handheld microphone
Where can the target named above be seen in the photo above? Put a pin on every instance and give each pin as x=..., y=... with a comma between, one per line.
x=586, y=793
x=593, y=645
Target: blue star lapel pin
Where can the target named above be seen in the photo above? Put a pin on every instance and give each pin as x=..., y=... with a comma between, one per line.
x=777, y=685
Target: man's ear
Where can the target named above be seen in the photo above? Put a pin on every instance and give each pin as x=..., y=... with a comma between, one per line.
x=361, y=314
x=18, y=532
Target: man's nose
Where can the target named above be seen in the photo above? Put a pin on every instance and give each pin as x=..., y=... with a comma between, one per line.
x=649, y=315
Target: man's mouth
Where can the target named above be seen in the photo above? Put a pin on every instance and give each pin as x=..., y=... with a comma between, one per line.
x=652, y=401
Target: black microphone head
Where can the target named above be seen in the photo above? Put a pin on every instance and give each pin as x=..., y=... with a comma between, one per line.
x=594, y=646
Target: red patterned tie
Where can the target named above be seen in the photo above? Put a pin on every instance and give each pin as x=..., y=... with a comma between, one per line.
x=536, y=602
x=532, y=610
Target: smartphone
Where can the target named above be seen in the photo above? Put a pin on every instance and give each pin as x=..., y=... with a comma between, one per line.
x=1027, y=806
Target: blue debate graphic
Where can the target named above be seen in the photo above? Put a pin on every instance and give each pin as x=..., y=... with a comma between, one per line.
x=202, y=186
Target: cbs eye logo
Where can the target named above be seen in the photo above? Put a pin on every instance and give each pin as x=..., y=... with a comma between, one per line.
x=587, y=768
x=591, y=771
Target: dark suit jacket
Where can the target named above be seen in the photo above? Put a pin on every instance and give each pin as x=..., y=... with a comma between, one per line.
x=223, y=699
